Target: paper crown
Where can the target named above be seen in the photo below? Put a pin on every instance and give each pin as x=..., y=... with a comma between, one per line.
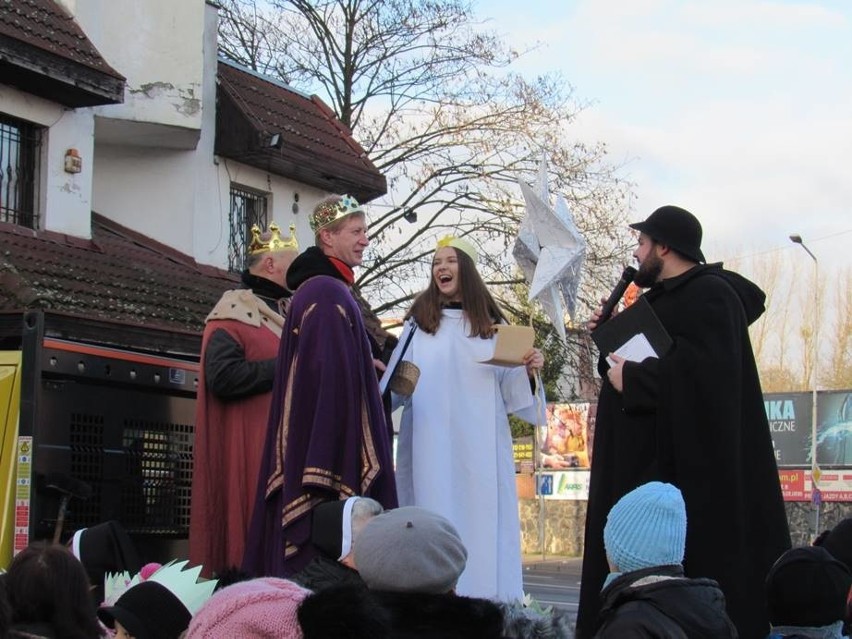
x=182, y=583
x=275, y=241
x=332, y=210
x=458, y=243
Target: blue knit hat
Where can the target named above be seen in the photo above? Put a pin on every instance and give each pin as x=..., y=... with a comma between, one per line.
x=646, y=527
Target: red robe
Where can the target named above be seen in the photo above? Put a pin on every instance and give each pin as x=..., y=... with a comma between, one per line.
x=229, y=439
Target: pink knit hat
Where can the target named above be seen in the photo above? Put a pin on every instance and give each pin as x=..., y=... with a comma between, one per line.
x=259, y=608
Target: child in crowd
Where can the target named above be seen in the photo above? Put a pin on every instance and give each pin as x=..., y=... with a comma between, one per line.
x=806, y=592
x=48, y=595
x=838, y=541
x=257, y=609
x=646, y=593
x=161, y=606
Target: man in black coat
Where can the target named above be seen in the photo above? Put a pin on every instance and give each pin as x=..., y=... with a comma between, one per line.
x=694, y=418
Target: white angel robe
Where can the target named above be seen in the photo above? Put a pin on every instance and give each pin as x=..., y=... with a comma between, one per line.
x=454, y=452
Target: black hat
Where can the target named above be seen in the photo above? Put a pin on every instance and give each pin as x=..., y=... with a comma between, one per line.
x=675, y=227
x=807, y=587
x=839, y=542
x=148, y=610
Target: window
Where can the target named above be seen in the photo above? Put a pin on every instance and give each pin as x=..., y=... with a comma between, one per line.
x=248, y=207
x=20, y=149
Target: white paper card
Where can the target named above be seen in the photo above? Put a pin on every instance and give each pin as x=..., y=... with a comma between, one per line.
x=636, y=349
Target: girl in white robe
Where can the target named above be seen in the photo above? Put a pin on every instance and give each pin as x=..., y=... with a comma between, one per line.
x=454, y=452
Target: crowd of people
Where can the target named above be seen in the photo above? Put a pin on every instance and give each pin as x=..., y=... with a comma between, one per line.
x=302, y=525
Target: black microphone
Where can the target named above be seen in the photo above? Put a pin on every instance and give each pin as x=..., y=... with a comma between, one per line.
x=609, y=306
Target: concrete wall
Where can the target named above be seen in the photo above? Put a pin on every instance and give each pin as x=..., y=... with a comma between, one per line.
x=563, y=523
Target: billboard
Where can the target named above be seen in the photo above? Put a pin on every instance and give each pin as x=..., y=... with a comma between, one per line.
x=566, y=443
x=797, y=485
x=790, y=419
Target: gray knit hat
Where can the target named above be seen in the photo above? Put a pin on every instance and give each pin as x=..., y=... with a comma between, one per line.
x=410, y=549
x=646, y=527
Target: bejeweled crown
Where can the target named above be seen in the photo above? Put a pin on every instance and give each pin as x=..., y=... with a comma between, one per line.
x=332, y=210
x=275, y=241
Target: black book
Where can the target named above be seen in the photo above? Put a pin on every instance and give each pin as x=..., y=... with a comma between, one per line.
x=637, y=319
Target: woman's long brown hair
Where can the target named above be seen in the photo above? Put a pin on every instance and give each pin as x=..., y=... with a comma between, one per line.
x=480, y=309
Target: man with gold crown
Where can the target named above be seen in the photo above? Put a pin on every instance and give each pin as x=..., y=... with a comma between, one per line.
x=327, y=437
x=238, y=352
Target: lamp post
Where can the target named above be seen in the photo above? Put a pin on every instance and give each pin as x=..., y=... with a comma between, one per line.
x=815, y=470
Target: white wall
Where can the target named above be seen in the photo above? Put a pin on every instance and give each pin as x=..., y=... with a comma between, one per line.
x=157, y=46
x=64, y=198
x=213, y=248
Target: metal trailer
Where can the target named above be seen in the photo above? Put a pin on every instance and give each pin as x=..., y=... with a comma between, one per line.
x=111, y=405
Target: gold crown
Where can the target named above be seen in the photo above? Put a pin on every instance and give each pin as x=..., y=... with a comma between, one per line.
x=275, y=242
x=328, y=212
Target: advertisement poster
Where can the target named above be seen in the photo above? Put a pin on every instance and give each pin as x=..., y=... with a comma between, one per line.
x=564, y=484
x=565, y=442
x=789, y=417
x=834, y=485
x=522, y=450
x=834, y=437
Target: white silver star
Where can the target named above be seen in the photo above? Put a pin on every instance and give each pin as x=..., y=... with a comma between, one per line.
x=550, y=251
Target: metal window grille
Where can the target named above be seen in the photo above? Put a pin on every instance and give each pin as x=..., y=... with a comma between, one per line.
x=20, y=149
x=248, y=207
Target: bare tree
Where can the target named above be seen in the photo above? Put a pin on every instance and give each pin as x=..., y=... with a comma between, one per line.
x=430, y=94
x=838, y=374
x=250, y=34
x=771, y=333
x=782, y=338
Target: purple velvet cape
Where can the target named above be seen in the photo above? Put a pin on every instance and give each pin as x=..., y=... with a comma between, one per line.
x=326, y=436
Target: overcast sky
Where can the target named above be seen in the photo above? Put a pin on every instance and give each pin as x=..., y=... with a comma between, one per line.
x=738, y=110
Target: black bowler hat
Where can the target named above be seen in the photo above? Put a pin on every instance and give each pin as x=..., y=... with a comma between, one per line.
x=675, y=227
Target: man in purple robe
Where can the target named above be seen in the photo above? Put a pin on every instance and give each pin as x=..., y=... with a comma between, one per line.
x=327, y=438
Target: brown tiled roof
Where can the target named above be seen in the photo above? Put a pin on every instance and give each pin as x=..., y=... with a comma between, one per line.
x=118, y=275
x=314, y=146
x=43, y=51
x=46, y=25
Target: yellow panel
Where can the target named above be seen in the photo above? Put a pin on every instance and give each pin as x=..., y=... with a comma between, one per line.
x=10, y=403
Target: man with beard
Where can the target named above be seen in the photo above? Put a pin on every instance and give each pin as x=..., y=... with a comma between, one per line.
x=693, y=418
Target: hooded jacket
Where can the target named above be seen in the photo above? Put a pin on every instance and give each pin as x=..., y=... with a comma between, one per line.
x=661, y=603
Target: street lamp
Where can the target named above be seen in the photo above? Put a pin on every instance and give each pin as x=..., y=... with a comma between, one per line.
x=815, y=471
